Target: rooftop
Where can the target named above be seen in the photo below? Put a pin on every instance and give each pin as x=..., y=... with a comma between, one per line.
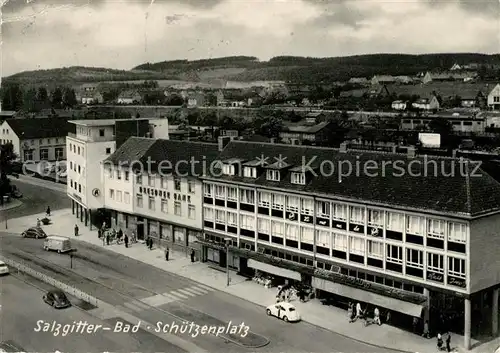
x=35, y=128
x=100, y=122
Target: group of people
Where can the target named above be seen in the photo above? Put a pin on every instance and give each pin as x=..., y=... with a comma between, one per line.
x=447, y=347
x=108, y=235
x=356, y=312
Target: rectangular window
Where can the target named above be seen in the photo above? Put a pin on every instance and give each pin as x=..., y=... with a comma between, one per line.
x=457, y=232
x=323, y=209
x=435, y=263
x=118, y=175
x=220, y=192
x=177, y=184
x=456, y=267
x=101, y=132
x=263, y=226
x=220, y=216
x=264, y=199
x=151, y=203
x=292, y=204
x=207, y=190
x=323, y=238
x=415, y=258
x=339, y=211
x=177, y=208
x=415, y=225
x=138, y=179
x=307, y=235
x=291, y=231
x=208, y=213
x=44, y=154
x=227, y=169
x=247, y=196
x=357, y=215
x=307, y=207
x=395, y=222
x=232, y=194
x=278, y=201
x=273, y=175
x=191, y=186
x=164, y=206
x=247, y=222
x=119, y=196
x=339, y=242
x=375, y=249
x=127, y=174
x=139, y=200
x=376, y=218
x=111, y=194
x=232, y=219
x=126, y=198
x=151, y=180
x=108, y=150
x=110, y=171
x=164, y=182
x=250, y=172
x=436, y=228
x=299, y=178
x=394, y=254
x=59, y=153
x=356, y=246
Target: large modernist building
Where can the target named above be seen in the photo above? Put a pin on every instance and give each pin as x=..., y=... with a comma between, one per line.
x=414, y=236
x=152, y=187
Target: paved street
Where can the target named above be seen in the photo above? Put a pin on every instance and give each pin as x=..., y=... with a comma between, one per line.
x=35, y=200
x=22, y=307
x=181, y=297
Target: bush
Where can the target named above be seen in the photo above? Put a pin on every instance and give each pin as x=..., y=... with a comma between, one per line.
x=45, y=221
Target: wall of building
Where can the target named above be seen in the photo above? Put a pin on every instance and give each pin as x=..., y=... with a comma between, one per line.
x=159, y=128
x=92, y=133
x=8, y=135
x=95, y=154
x=76, y=180
x=484, y=253
x=115, y=179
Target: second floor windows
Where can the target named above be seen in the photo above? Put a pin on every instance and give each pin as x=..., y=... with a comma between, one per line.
x=415, y=225
x=435, y=263
x=247, y=222
x=277, y=229
x=339, y=211
x=395, y=222
x=375, y=249
x=151, y=203
x=264, y=199
x=323, y=209
x=394, y=254
x=151, y=180
x=436, y=228
x=278, y=201
x=292, y=204
x=414, y=258
x=457, y=232
x=220, y=216
x=339, y=242
x=220, y=192
x=247, y=196
x=357, y=246
x=376, y=218
x=264, y=226
x=208, y=213
x=307, y=207
x=323, y=238
x=357, y=215
x=232, y=219
x=292, y=232
x=273, y=175
x=456, y=267
x=139, y=200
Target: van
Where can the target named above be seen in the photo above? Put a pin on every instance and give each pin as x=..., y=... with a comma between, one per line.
x=59, y=244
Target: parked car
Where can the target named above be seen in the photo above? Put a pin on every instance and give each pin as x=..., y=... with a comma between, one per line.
x=56, y=243
x=34, y=232
x=56, y=298
x=284, y=311
x=4, y=270
x=10, y=346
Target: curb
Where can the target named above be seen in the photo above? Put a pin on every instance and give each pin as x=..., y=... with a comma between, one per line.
x=12, y=204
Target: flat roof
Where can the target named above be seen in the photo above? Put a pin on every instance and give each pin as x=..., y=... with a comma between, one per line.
x=101, y=122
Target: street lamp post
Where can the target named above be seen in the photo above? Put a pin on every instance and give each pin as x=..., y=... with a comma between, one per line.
x=227, y=240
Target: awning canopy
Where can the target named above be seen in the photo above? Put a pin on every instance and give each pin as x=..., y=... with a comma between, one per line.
x=368, y=297
x=278, y=271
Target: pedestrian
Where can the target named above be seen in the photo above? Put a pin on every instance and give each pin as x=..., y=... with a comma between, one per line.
x=167, y=251
x=125, y=240
x=359, y=311
x=48, y=211
x=439, y=342
x=192, y=255
x=349, y=312
x=376, y=317
x=103, y=225
x=426, y=333
x=150, y=243
x=38, y=222
x=107, y=238
x=388, y=316
x=103, y=235
x=133, y=238
x=448, y=342
x=119, y=236
x=99, y=233
x=415, y=325
x=76, y=230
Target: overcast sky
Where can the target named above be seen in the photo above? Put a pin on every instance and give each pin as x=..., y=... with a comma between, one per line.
x=42, y=34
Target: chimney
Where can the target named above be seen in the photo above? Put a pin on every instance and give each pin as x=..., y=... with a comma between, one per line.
x=411, y=152
x=273, y=139
x=223, y=141
x=343, y=147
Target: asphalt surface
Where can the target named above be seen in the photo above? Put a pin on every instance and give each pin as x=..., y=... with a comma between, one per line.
x=125, y=282
x=35, y=200
x=23, y=307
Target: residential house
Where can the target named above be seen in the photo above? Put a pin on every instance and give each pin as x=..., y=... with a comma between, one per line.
x=362, y=81
x=377, y=91
x=37, y=139
x=196, y=99
x=382, y=79
x=463, y=76
x=91, y=97
x=7, y=114
x=429, y=104
x=163, y=201
x=403, y=79
x=397, y=241
x=306, y=133
x=463, y=122
x=129, y=97
x=456, y=67
x=494, y=98
x=399, y=105
x=89, y=87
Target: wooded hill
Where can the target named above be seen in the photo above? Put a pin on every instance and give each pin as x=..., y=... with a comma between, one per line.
x=281, y=68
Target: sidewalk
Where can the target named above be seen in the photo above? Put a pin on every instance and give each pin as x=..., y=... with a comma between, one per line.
x=328, y=317
x=13, y=203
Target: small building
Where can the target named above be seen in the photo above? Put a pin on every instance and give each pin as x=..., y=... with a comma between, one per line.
x=382, y=79
x=431, y=103
x=196, y=99
x=494, y=98
x=129, y=97
x=464, y=76
x=358, y=81
x=399, y=105
x=308, y=133
x=91, y=97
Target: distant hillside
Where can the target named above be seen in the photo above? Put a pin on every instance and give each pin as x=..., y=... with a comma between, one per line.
x=248, y=68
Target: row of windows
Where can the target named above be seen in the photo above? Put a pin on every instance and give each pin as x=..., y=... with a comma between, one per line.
x=44, y=154
x=271, y=174
x=119, y=196
x=151, y=205
x=76, y=167
x=393, y=221
x=163, y=182
x=77, y=149
x=76, y=186
x=3, y=141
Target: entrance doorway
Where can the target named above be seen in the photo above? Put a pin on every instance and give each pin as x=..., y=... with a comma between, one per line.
x=140, y=228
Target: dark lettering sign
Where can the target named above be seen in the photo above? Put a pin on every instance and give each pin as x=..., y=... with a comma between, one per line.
x=375, y=232
x=168, y=195
x=291, y=216
x=457, y=282
x=306, y=219
x=323, y=222
x=435, y=276
x=184, y=198
x=339, y=225
x=77, y=197
x=356, y=228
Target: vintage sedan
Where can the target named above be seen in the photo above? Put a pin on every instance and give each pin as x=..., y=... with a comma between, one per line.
x=4, y=270
x=34, y=232
x=284, y=311
x=56, y=298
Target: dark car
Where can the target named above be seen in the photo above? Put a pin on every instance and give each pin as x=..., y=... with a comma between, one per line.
x=57, y=299
x=34, y=232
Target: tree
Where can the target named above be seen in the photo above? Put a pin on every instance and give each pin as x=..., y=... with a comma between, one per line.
x=56, y=98
x=12, y=97
x=41, y=94
x=29, y=100
x=208, y=119
x=69, y=98
x=154, y=97
x=440, y=126
x=174, y=100
x=7, y=156
x=270, y=127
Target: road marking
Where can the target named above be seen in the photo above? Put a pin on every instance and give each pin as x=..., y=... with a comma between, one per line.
x=171, y=297
x=136, y=306
x=189, y=294
x=197, y=291
x=199, y=285
x=182, y=296
x=156, y=300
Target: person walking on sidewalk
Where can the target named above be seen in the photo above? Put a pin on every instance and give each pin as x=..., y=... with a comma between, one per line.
x=359, y=311
x=376, y=317
x=107, y=238
x=119, y=236
x=192, y=255
x=38, y=222
x=48, y=211
x=167, y=251
x=349, y=312
x=448, y=342
x=125, y=240
x=439, y=342
x=76, y=230
x=426, y=333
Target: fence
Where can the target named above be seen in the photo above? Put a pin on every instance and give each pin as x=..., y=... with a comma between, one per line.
x=62, y=286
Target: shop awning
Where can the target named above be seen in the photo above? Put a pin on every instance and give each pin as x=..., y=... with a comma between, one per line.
x=368, y=297
x=274, y=270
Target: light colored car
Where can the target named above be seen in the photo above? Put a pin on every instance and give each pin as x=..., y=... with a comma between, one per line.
x=284, y=311
x=4, y=270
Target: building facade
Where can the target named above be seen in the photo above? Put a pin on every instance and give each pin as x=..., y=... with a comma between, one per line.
x=494, y=98
x=384, y=245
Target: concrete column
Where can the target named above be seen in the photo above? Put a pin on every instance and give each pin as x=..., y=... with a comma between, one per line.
x=77, y=206
x=72, y=206
x=494, y=313
x=86, y=217
x=426, y=316
x=467, y=323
